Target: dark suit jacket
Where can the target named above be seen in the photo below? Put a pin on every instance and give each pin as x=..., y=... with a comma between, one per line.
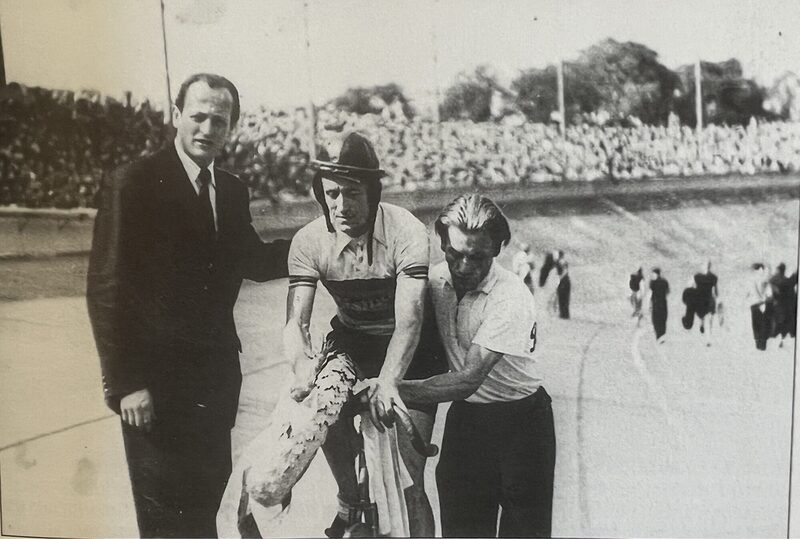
x=161, y=297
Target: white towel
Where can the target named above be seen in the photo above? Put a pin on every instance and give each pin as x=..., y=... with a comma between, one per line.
x=388, y=475
x=388, y=478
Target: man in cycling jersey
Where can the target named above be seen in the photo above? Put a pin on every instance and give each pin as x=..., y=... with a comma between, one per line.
x=373, y=259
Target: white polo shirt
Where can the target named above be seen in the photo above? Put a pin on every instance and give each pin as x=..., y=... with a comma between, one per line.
x=498, y=315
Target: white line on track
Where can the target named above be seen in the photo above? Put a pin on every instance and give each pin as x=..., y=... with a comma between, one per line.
x=57, y=431
x=653, y=389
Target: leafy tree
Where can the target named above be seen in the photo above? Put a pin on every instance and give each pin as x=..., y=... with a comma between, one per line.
x=626, y=79
x=373, y=99
x=783, y=99
x=470, y=97
x=621, y=79
x=537, y=93
x=728, y=97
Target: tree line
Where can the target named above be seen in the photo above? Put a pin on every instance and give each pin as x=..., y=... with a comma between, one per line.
x=609, y=82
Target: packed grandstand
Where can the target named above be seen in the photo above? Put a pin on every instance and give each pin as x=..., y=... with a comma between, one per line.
x=58, y=144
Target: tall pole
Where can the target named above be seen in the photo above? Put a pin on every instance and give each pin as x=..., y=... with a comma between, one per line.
x=698, y=98
x=312, y=116
x=791, y=517
x=562, y=125
x=2, y=64
x=436, y=90
x=168, y=110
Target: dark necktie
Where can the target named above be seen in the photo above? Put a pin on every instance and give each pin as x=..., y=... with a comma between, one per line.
x=206, y=211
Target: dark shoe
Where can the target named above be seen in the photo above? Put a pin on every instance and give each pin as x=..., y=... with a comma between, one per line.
x=337, y=528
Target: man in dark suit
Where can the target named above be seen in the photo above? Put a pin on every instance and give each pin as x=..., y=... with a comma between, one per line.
x=173, y=240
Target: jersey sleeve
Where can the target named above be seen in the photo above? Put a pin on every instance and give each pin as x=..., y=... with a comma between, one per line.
x=509, y=325
x=411, y=250
x=303, y=265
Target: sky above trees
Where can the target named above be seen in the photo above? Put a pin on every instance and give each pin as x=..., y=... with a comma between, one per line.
x=116, y=45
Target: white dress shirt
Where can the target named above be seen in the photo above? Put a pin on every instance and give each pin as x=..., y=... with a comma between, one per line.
x=193, y=171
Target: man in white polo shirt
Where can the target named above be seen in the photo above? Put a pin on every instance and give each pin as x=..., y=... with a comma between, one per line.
x=499, y=444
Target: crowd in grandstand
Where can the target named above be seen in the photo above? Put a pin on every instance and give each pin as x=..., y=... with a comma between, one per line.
x=58, y=144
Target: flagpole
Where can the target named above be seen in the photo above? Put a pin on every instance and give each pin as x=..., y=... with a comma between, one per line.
x=168, y=110
x=2, y=64
x=698, y=98
x=434, y=43
x=312, y=146
x=560, y=84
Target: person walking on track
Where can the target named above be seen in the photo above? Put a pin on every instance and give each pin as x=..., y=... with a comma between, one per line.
x=659, y=290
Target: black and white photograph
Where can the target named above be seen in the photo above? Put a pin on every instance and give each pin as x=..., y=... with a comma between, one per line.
x=413, y=268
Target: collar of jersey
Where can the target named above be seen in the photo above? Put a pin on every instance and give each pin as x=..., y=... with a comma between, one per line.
x=378, y=232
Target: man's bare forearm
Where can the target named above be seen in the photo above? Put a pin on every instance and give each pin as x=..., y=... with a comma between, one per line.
x=400, y=351
x=450, y=386
x=296, y=340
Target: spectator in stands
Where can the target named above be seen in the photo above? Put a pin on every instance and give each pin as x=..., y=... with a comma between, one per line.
x=86, y=135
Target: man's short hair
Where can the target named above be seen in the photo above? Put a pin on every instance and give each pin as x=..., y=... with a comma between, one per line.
x=474, y=213
x=213, y=81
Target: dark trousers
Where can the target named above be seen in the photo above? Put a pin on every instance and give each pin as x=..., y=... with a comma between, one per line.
x=178, y=472
x=498, y=455
x=783, y=318
x=761, y=323
x=659, y=316
x=563, y=290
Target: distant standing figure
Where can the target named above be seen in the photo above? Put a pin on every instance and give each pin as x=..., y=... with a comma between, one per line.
x=707, y=294
x=522, y=265
x=785, y=302
x=760, y=296
x=637, y=294
x=659, y=289
x=689, y=298
x=548, y=265
x=793, y=324
x=564, y=288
